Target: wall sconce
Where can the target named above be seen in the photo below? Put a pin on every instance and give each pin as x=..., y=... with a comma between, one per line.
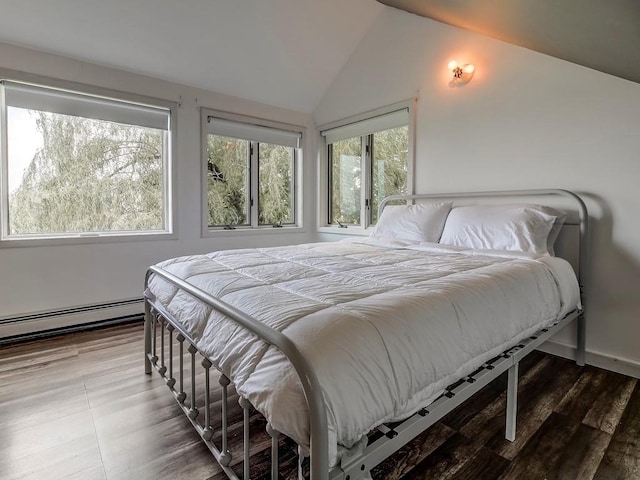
x=461, y=74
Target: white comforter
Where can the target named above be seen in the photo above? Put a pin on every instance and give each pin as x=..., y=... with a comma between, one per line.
x=385, y=328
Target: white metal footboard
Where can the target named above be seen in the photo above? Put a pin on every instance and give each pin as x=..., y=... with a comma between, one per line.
x=155, y=314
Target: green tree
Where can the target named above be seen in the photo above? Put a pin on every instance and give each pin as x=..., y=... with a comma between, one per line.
x=346, y=180
x=227, y=165
x=228, y=184
x=389, y=165
x=90, y=176
x=389, y=168
x=275, y=184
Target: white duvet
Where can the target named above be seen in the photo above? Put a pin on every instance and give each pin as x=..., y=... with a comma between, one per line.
x=386, y=326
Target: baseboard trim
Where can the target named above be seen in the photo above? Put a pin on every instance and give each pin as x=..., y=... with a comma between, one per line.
x=55, y=332
x=57, y=320
x=623, y=366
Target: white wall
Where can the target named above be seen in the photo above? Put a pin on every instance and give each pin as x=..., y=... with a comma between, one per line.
x=35, y=279
x=526, y=120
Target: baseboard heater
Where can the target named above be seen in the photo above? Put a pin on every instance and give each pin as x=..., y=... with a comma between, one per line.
x=45, y=324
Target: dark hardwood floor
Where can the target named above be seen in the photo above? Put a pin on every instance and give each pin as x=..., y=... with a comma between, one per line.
x=80, y=407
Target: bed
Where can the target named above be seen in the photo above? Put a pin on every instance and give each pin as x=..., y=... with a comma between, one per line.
x=330, y=341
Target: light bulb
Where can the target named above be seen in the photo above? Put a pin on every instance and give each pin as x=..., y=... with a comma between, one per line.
x=462, y=74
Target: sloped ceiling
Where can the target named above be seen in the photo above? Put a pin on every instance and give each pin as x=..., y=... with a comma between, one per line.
x=600, y=34
x=284, y=53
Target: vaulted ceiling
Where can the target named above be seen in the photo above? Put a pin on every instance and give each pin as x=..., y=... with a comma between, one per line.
x=288, y=52
x=281, y=52
x=600, y=34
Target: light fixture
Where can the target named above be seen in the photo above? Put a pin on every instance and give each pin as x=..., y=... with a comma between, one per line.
x=461, y=74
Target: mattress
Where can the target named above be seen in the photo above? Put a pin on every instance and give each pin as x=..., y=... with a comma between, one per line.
x=386, y=326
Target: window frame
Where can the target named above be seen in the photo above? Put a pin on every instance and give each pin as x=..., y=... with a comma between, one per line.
x=169, y=171
x=366, y=194
x=253, y=227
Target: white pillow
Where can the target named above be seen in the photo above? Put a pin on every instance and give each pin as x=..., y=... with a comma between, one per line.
x=422, y=222
x=555, y=230
x=524, y=228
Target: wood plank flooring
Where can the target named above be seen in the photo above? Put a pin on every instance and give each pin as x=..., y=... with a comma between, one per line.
x=80, y=407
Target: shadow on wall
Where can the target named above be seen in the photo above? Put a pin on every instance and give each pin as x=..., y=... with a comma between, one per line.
x=612, y=288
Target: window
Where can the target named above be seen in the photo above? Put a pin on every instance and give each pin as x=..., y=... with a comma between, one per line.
x=80, y=165
x=367, y=160
x=251, y=173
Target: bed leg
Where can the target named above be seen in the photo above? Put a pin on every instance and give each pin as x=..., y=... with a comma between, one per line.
x=163, y=369
x=207, y=432
x=512, y=402
x=181, y=393
x=244, y=403
x=148, y=318
x=581, y=340
x=225, y=454
x=171, y=381
x=193, y=411
x=274, y=434
x=300, y=464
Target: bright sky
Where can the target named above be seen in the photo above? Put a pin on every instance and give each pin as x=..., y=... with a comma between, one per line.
x=23, y=140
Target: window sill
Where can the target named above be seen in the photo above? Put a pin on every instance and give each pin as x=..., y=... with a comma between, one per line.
x=247, y=231
x=45, y=241
x=351, y=230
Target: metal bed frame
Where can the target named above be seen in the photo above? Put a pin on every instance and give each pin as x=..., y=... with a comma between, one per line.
x=160, y=327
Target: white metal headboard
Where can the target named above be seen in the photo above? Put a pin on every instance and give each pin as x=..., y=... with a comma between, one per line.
x=578, y=216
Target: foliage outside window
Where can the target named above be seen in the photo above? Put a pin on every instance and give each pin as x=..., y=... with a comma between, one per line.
x=228, y=182
x=366, y=167
x=346, y=180
x=275, y=182
x=389, y=166
x=79, y=165
x=251, y=173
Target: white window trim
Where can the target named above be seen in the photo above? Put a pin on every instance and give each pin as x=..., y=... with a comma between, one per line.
x=169, y=233
x=248, y=230
x=323, y=161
